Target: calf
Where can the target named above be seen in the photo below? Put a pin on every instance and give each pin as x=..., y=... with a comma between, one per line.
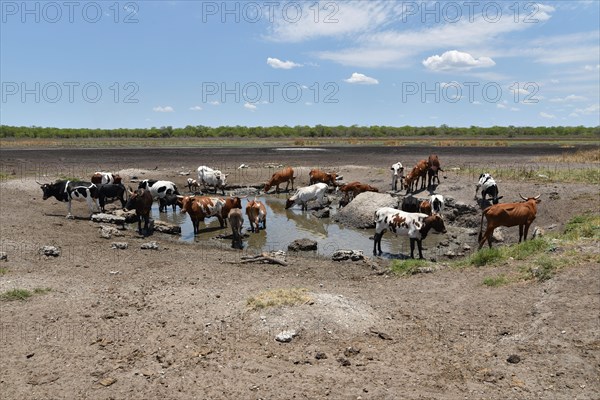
x=257, y=213
x=414, y=225
x=488, y=187
x=316, y=176
x=170, y=199
x=279, y=177
x=111, y=192
x=425, y=207
x=419, y=172
x=212, y=177
x=71, y=190
x=432, y=171
x=509, y=214
x=193, y=185
x=397, y=176
x=437, y=203
x=201, y=207
x=306, y=194
x=353, y=189
x=411, y=179
x=106, y=178
x=141, y=200
x=236, y=220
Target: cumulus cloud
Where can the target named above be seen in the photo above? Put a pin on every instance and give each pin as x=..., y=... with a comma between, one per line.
x=214, y=103
x=455, y=60
x=250, y=106
x=278, y=64
x=593, y=109
x=196, y=108
x=163, y=109
x=546, y=115
x=362, y=79
x=571, y=97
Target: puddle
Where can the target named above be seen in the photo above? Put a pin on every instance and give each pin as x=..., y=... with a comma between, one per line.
x=285, y=226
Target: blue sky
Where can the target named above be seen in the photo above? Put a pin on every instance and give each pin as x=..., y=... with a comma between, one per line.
x=157, y=63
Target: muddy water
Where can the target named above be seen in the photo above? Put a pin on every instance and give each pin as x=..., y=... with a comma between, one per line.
x=284, y=226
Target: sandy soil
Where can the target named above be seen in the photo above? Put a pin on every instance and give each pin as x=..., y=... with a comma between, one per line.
x=174, y=323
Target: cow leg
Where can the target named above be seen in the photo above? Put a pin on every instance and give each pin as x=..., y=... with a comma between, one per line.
x=487, y=236
x=377, y=243
x=526, y=231
x=292, y=183
x=520, y=233
x=420, y=246
x=221, y=221
x=146, y=221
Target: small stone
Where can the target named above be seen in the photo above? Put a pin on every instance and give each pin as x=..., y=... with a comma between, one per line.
x=303, y=245
x=342, y=255
x=351, y=351
x=50, y=251
x=108, y=381
x=321, y=356
x=286, y=336
x=323, y=213
x=513, y=359
x=149, y=246
x=3, y=256
x=119, y=245
x=344, y=362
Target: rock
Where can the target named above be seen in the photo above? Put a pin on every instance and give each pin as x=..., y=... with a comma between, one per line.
x=321, y=356
x=50, y=251
x=108, y=381
x=466, y=247
x=107, y=232
x=552, y=226
x=537, y=232
x=149, y=246
x=184, y=173
x=513, y=359
x=351, y=351
x=109, y=218
x=119, y=245
x=344, y=362
x=322, y=213
x=498, y=235
x=424, y=270
x=359, y=212
x=342, y=255
x=3, y=256
x=165, y=227
x=286, y=336
x=449, y=201
x=450, y=254
x=302, y=245
x=129, y=215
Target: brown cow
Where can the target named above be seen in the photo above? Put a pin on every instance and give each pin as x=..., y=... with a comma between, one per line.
x=256, y=212
x=106, y=177
x=229, y=204
x=285, y=175
x=432, y=171
x=353, y=189
x=141, y=200
x=425, y=207
x=200, y=207
x=236, y=220
x=318, y=176
x=509, y=214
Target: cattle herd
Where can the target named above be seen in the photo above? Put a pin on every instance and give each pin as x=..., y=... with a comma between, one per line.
x=415, y=218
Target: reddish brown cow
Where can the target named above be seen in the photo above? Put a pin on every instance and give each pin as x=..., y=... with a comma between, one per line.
x=229, y=204
x=432, y=171
x=318, y=176
x=285, y=175
x=106, y=177
x=425, y=207
x=353, y=189
x=256, y=212
x=200, y=207
x=509, y=214
x=141, y=201
x=236, y=220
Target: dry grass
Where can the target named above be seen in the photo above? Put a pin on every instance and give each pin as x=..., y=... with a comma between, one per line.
x=279, y=298
x=581, y=156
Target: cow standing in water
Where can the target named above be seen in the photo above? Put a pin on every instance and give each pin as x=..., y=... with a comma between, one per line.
x=141, y=201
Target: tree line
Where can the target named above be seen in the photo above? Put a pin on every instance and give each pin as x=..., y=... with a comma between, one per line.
x=201, y=131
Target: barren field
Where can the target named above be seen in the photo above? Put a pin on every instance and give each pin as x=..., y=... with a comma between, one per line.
x=176, y=323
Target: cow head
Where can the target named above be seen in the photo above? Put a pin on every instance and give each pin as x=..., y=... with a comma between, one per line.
x=186, y=203
x=133, y=198
x=436, y=222
x=536, y=199
x=236, y=202
x=267, y=186
x=289, y=203
x=48, y=189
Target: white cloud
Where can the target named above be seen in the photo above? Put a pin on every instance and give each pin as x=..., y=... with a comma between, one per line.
x=592, y=68
x=196, y=108
x=546, y=115
x=593, y=109
x=514, y=109
x=214, y=103
x=500, y=105
x=163, y=109
x=455, y=60
x=571, y=97
x=278, y=64
x=361, y=78
x=250, y=106
x=476, y=102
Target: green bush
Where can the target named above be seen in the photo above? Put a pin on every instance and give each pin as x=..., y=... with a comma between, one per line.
x=495, y=281
x=406, y=267
x=486, y=256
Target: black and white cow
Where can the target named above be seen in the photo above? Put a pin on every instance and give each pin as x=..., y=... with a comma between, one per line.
x=169, y=200
x=111, y=192
x=488, y=187
x=158, y=189
x=71, y=190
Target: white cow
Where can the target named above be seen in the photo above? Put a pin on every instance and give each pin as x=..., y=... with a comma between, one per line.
x=437, y=203
x=305, y=194
x=414, y=225
x=212, y=177
x=397, y=175
x=158, y=189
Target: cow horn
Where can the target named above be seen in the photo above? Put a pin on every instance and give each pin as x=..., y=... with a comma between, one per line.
x=41, y=184
x=522, y=197
x=538, y=196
